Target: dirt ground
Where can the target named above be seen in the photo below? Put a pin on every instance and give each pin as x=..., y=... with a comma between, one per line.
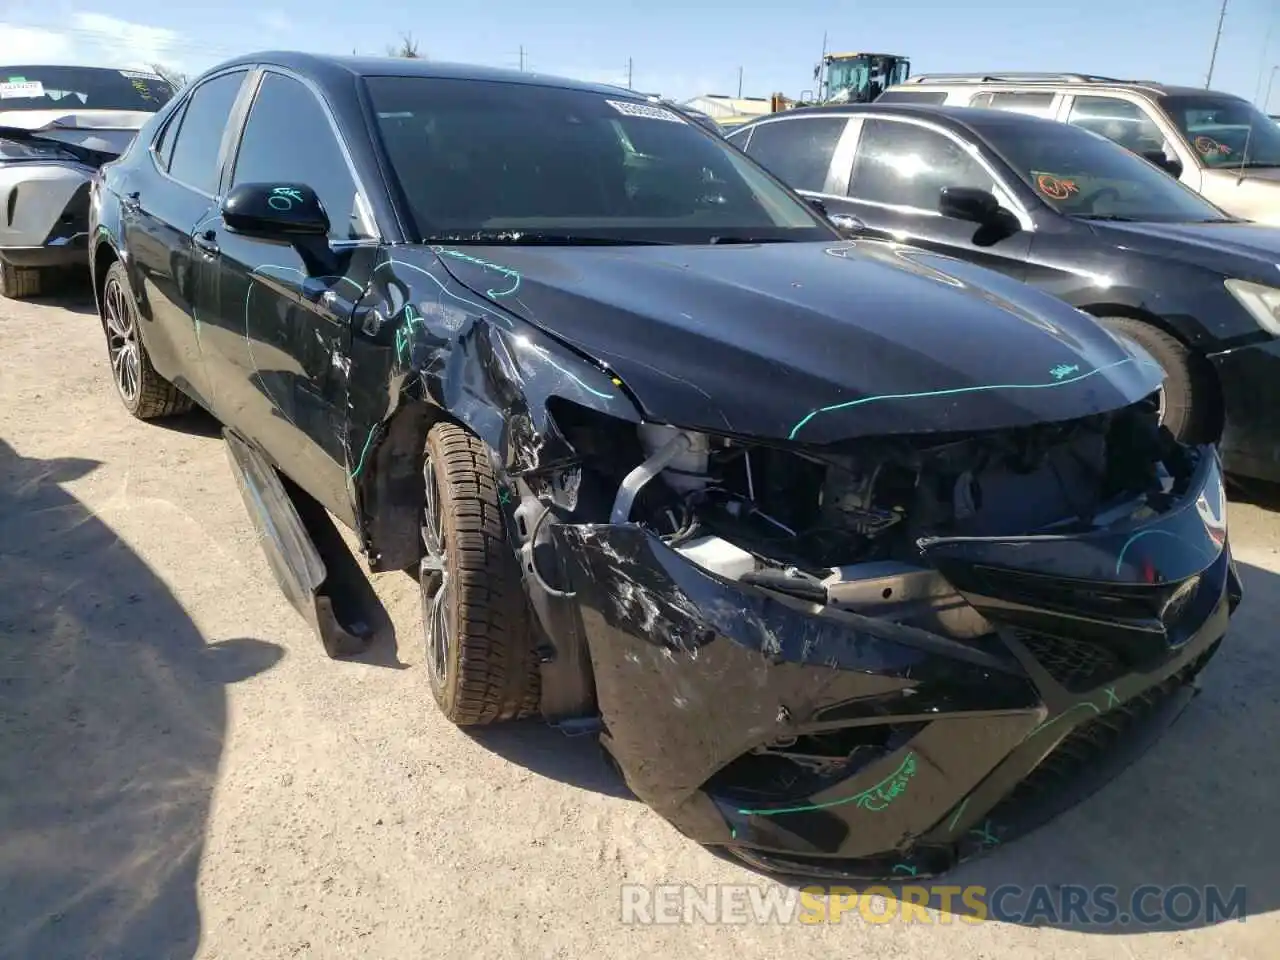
x=183, y=773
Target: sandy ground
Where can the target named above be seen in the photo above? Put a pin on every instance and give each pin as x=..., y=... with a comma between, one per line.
x=184, y=773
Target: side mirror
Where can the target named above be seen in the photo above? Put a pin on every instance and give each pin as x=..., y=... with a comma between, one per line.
x=844, y=222
x=1170, y=165
x=275, y=210
x=969, y=203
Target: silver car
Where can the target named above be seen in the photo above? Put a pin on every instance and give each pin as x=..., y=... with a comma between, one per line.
x=58, y=125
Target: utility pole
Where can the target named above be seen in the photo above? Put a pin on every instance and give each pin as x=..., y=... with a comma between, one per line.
x=1222, y=15
x=522, y=58
x=628, y=73
x=739, y=83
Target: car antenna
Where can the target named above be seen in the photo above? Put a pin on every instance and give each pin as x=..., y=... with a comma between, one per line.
x=1244, y=156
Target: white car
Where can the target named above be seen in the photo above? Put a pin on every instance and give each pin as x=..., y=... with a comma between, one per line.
x=58, y=125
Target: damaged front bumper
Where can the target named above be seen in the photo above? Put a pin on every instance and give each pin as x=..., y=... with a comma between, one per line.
x=816, y=740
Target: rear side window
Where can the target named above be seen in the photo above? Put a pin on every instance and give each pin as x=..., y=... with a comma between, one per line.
x=1119, y=120
x=797, y=151
x=1037, y=104
x=196, y=151
x=912, y=96
x=285, y=114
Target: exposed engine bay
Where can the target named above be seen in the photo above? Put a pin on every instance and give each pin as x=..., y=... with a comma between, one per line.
x=843, y=526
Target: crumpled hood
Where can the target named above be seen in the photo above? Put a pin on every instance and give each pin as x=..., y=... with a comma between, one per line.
x=1220, y=246
x=815, y=342
x=109, y=131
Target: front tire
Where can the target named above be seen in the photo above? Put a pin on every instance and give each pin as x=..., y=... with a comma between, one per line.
x=480, y=658
x=1187, y=397
x=144, y=393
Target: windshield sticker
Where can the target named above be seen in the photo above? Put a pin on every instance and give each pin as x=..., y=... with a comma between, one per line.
x=140, y=75
x=1208, y=147
x=13, y=89
x=644, y=110
x=1056, y=188
x=17, y=79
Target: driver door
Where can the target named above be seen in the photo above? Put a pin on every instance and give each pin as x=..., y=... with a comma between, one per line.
x=283, y=309
x=893, y=186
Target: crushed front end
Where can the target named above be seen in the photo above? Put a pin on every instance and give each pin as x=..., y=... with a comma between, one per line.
x=873, y=660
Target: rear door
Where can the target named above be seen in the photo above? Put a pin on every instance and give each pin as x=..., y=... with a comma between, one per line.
x=158, y=217
x=894, y=182
x=797, y=150
x=279, y=313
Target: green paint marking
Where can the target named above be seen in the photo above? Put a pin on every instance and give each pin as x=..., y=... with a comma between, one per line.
x=984, y=834
x=512, y=275
x=956, y=816
x=1065, y=713
x=1112, y=699
x=956, y=391
x=365, y=452
x=1062, y=370
x=504, y=497
x=905, y=868
x=874, y=799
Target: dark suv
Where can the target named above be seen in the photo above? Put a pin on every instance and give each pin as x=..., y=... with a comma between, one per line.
x=1070, y=212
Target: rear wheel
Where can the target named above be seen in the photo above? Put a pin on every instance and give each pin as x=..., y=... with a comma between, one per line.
x=1187, y=397
x=145, y=393
x=18, y=283
x=480, y=658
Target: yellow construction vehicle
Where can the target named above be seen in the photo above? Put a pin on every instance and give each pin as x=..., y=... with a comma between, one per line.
x=850, y=78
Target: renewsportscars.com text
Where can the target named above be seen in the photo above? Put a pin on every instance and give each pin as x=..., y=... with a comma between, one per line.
x=1144, y=906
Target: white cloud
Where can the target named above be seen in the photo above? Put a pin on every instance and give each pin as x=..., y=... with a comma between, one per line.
x=94, y=39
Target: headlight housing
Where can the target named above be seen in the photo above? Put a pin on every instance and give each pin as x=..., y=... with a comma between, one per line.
x=1262, y=302
x=33, y=150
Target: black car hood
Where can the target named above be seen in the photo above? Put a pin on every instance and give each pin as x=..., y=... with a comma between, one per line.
x=815, y=342
x=1227, y=247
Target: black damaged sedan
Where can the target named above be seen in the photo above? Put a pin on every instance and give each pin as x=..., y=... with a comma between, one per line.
x=860, y=558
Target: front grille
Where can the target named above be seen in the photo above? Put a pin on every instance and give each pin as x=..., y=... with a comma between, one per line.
x=1079, y=665
x=1050, y=785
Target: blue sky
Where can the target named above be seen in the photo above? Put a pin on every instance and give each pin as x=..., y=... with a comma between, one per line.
x=678, y=49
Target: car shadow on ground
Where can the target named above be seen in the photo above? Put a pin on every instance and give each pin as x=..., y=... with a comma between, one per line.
x=1193, y=819
x=70, y=291
x=577, y=760
x=112, y=713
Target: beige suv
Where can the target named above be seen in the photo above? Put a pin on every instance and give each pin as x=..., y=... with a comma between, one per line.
x=1216, y=143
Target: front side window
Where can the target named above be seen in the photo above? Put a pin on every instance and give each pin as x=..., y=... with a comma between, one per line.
x=905, y=164
x=506, y=162
x=1225, y=131
x=81, y=88
x=1119, y=120
x=1037, y=104
x=798, y=151
x=912, y=96
x=285, y=116
x=197, y=148
x=1086, y=175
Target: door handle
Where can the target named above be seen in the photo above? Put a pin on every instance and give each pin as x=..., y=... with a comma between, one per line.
x=131, y=202
x=207, y=241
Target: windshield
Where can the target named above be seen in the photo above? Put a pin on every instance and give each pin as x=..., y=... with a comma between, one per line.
x=1083, y=174
x=1225, y=131
x=81, y=88
x=496, y=160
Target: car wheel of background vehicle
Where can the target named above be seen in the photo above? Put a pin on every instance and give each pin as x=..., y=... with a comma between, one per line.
x=144, y=392
x=1187, y=396
x=17, y=283
x=480, y=658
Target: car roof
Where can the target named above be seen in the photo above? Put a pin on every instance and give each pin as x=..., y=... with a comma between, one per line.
x=957, y=118
x=322, y=67
x=1080, y=87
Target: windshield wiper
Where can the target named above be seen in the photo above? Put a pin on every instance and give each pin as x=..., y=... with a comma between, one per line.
x=717, y=240
x=1106, y=216
x=534, y=237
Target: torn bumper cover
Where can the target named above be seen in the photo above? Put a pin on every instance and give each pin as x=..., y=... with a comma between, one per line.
x=811, y=740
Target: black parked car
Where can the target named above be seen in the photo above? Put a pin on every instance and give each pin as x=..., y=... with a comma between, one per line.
x=833, y=542
x=1078, y=216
